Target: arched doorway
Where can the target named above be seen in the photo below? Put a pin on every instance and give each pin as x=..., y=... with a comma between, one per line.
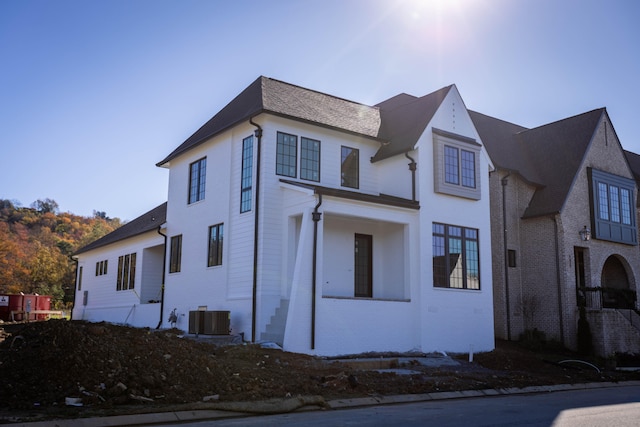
x=616, y=289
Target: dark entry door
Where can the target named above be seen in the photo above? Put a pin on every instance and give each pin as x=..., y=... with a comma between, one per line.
x=363, y=265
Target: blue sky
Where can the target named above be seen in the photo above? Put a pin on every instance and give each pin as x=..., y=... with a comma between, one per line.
x=94, y=93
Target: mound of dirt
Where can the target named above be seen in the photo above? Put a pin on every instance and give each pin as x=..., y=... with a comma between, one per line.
x=57, y=363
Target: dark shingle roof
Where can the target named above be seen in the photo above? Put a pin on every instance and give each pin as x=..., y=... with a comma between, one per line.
x=404, y=118
x=549, y=155
x=634, y=164
x=286, y=100
x=398, y=121
x=146, y=222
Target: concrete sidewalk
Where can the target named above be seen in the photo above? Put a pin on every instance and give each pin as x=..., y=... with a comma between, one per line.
x=214, y=414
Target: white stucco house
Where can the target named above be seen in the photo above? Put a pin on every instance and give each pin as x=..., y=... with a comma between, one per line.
x=325, y=225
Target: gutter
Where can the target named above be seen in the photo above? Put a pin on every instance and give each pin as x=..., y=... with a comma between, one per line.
x=256, y=234
x=560, y=312
x=164, y=272
x=412, y=168
x=315, y=216
x=505, y=181
x=75, y=285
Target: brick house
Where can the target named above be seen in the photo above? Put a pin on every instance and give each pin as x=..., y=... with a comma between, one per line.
x=564, y=230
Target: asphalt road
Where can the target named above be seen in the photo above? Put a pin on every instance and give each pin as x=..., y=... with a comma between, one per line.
x=615, y=406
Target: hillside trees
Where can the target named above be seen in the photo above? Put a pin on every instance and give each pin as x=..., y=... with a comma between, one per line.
x=36, y=244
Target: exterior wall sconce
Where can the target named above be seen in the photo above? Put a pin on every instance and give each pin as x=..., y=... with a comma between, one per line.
x=585, y=234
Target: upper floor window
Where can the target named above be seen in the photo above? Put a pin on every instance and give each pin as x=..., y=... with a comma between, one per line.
x=175, y=256
x=309, y=159
x=101, y=267
x=197, y=178
x=456, y=165
x=246, y=180
x=126, y=272
x=286, y=154
x=350, y=167
x=456, y=257
x=215, y=245
x=613, y=207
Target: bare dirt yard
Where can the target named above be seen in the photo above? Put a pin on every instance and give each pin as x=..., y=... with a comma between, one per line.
x=107, y=369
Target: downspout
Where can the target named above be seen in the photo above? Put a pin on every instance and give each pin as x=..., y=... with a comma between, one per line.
x=560, y=313
x=412, y=168
x=75, y=285
x=315, y=216
x=505, y=181
x=258, y=134
x=164, y=268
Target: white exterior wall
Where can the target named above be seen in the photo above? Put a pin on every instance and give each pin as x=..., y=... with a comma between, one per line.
x=197, y=285
x=273, y=226
x=104, y=302
x=454, y=319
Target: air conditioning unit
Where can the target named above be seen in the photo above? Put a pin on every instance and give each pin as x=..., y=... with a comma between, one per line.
x=216, y=322
x=196, y=322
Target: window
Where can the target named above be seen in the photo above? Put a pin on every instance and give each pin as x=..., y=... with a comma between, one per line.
x=309, y=159
x=613, y=207
x=197, y=175
x=80, y=278
x=215, y=245
x=459, y=167
x=286, y=155
x=126, y=272
x=363, y=268
x=246, y=180
x=456, y=165
x=175, y=256
x=101, y=267
x=350, y=167
x=511, y=258
x=456, y=258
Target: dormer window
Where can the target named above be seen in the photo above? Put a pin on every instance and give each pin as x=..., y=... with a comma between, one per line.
x=613, y=204
x=456, y=165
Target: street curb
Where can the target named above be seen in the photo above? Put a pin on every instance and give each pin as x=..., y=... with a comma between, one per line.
x=212, y=414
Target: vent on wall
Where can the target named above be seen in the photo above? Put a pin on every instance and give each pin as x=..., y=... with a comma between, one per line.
x=209, y=322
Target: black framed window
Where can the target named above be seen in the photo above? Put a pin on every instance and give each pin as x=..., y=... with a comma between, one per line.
x=126, y=272
x=456, y=164
x=197, y=178
x=80, y=270
x=612, y=206
x=459, y=167
x=216, y=233
x=456, y=257
x=286, y=154
x=101, y=267
x=246, y=180
x=309, y=159
x=175, y=255
x=350, y=167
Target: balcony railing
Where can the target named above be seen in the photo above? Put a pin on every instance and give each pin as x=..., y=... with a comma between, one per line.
x=599, y=297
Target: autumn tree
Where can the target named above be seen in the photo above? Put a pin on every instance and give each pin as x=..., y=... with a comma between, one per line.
x=36, y=244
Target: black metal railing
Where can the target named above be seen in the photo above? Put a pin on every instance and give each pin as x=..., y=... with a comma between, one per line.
x=601, y=297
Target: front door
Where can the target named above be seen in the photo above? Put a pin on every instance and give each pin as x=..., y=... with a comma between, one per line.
x=363, y=265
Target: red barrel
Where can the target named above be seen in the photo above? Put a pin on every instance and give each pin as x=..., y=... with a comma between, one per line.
x=16, y=304
x=43, y=302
